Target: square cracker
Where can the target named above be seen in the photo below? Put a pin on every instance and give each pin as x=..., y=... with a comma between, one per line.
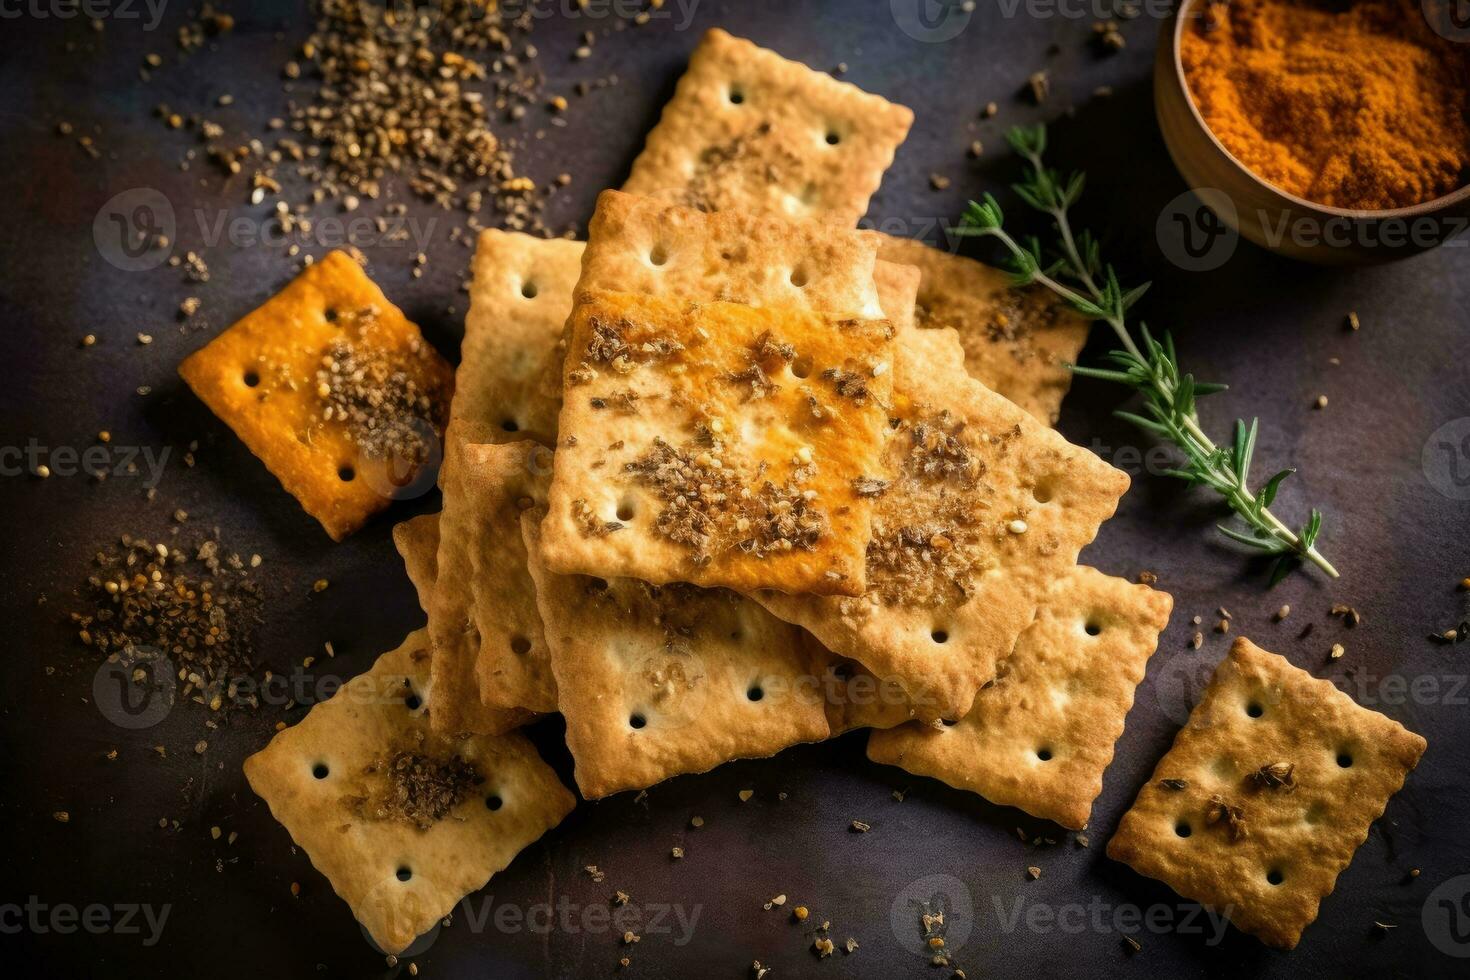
x=1224, y=822
x=403, y=822
x=727, y=377
x=1042, y=735
x=509, y=375
x=749, y=130
x=483, y=602
x=417, y=541
x=1018, y=342
x=655, y=681
x=335, y=391
x=977, y=507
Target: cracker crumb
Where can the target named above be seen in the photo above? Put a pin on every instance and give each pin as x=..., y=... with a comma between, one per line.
x=1033, y=872
x=1337, y=651
x=677, y=853
x=800, y=913
x=860, y=827
x=823, y=947
x=696, y=821
x=745, y=795
x=61, y=816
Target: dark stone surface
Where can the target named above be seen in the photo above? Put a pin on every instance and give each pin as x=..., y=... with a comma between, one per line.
x=1269, y=327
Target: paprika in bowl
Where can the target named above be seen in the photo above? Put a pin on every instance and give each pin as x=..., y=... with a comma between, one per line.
x=1335, y=131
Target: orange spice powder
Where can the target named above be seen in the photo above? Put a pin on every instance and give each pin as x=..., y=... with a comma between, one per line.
x=1349, y=103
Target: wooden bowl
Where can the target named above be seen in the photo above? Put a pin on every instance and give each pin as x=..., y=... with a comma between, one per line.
x=1281, y=222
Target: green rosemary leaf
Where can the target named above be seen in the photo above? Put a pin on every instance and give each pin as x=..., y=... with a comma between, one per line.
x=1253, y=540
x=1268, y=492
x=1148, y=425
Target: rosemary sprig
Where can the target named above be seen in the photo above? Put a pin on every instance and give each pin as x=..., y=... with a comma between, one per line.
x=1077, y=274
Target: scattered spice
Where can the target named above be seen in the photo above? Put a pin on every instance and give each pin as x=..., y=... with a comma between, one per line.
x=1174, y=784
x=860, y=827
x=1033, y=872
x=1039, y=86
x=800, y=913
x=422, y=789
x=1282, y=613
x=1337, y=651
x=195, y=605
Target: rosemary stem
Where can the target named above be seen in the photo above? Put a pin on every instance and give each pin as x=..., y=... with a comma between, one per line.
x=1240, y=495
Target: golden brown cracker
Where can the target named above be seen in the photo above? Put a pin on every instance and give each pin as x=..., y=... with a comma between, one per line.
x=403, y=822
x=1266, y=794
x=977, y=508
x=707, y=435
x=655, y=681
x=483, y=602
x=1018, y=342
x=335, y=391
x=509, y=375
x=1041, y=736
x=750, y=130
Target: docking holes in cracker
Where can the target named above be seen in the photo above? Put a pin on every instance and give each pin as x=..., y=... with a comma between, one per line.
x=1042, y=735
x=335, y=391
x=403, y=822
x=718, y=444
x=749, y=130
x=1266, y=794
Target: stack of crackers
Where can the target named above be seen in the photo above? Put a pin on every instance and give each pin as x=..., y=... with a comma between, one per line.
x=733, y=476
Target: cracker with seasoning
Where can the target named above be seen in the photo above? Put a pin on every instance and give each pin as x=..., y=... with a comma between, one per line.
x=335, y=391
x=401, y=821
x=727, y=377
x=1266, y=794
x=1018, y=342
x=656, y=681
x=977, y=509
x=749, y=130
x=1041, y=736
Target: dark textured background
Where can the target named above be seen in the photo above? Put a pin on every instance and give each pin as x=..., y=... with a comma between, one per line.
x=1267, y=326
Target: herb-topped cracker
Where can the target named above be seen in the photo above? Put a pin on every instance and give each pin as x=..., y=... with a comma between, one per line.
x=1041, y=736
x=656, y=681
x=337, y=393
x=749, y=130
x=1266, y=794
x=1018, y=342
x=509, y=375
x=403, y=822
x=727, y=378
x=977, y=508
